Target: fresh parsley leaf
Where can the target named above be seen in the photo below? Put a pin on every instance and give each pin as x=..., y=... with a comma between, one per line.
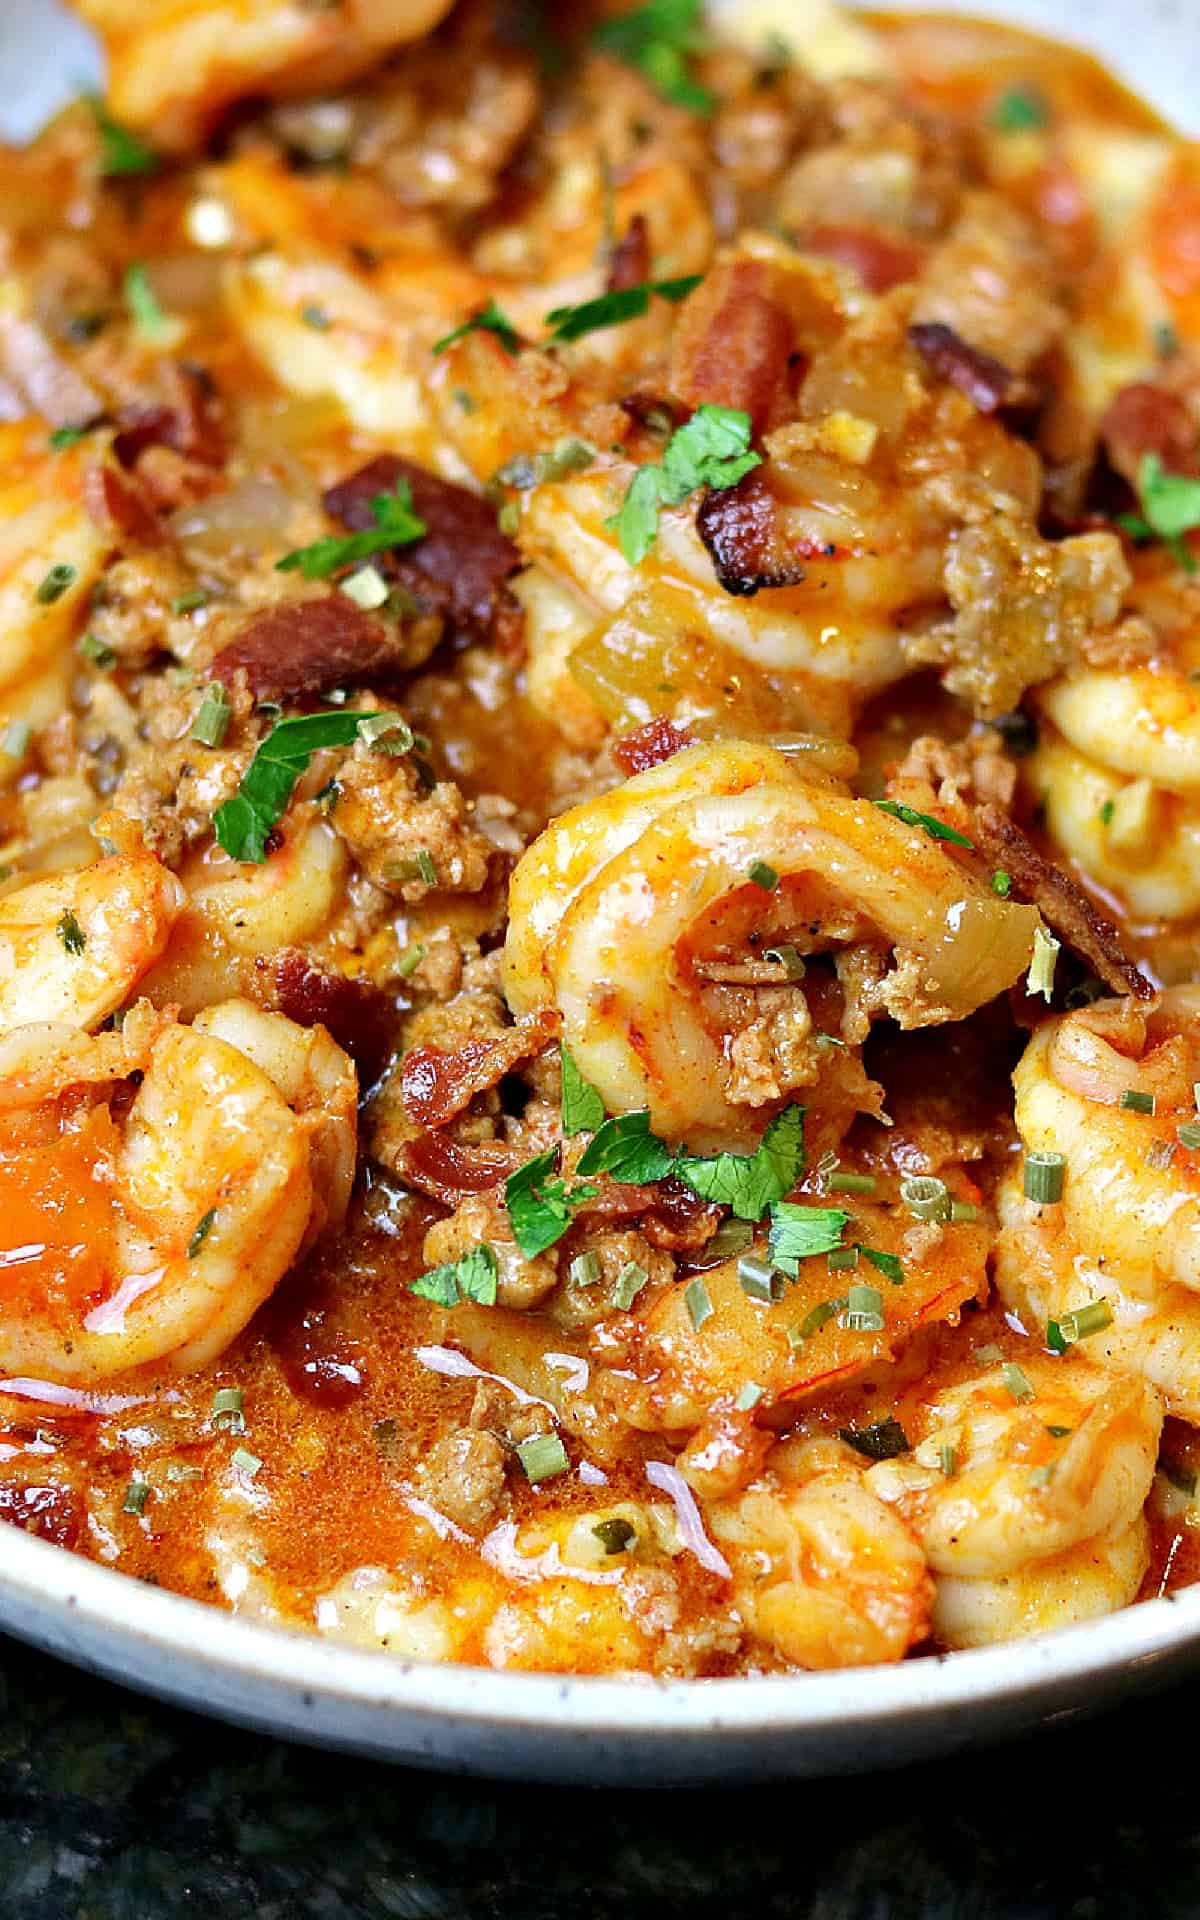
x=582, y=1107
x=610, y=309
x=143, y=304
x=883, y=1441
x=121, y=152
x=625, y=1148
x=487, y=319
x=658, y=39
x=798, y=1232
x=887, y=1263
x=1020, y=109
x=243, y=824
x=1171, y=506
x=712, y=449
x=936, y=829
x=396, y=525
x=750, y=1182
x=540, y=1206
x=70, y=932
x=473, y=1277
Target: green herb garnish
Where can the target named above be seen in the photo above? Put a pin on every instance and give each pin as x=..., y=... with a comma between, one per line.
x=625, y=1149
x=55, y=583
x=143, y=303
x=1020, y=110
x=799, y=1232
x=712, y=449
x=203, y=1228
x=751, y=1182
x=244, y=823
x=540, y=1205
x=122, y=154
x=472, y=1277
x=883, y=1441
x=1170, y=508
x=543, y=1457
x=659, y=39
x=487, y=319
x=213, y=715
x=610, y=309
x=396, y=525
x=70, y=932
x=935, y=828
x=582, y=1107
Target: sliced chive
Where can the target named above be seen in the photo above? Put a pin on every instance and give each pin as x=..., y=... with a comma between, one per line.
x=91, y=647
x=628, y=1284
x=203, y=1229
x=789, y=958
x=699, y=1305
x=616, y=1534
x=245, y=1462
x=1093, y=1318
x=190, y=602
x=820, y=1316
x=1017, y=1382
x=864, y=1309
x=731, y=1237
x=182, y=1474
x=1133, y=1100
x=757, y=1277
x=839, y=1182
x=66, y=437
x=228, y=1410
x=1046, y=949
x=213, y=715
x=926, y=1196
x=55, y=584
x=410, y=960
x=963, y=1211
x=136, y=1495
x=543, y=1457
x=316, y=317
x=948, y=1459
x=584, y=1270
x=1188, y=1134
x=749, y=1396
x=426, y=867
x=15, y=738
x=763, y=875
x=842, y=1259
x=1044, y=1174
x=1002, y=883
x=70, y=932
x=1106, y=813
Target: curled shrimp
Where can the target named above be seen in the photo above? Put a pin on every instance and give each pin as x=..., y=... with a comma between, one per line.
x=73, y=947
x=175, y=65
x=1127, y=1229
x=146, y=1232
x=1029, y=1512
x=611, y=908
x=824, y=1572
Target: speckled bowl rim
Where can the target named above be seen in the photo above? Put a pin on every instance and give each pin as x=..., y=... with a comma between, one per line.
x=633, y=1729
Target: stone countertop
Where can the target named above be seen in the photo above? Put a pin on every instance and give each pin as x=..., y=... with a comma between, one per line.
x=115, y=1808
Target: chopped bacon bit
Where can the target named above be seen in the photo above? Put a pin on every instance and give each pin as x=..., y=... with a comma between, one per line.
x=308, y=646
x=669, y=1214
x=740, y=528
x=118, y=506
x=361, y=1017
x=1061, y=900
x=630, y=263
x=880, y=261
x=1143, y=418
x=437, y=1084
x=984, y=380
x=733, y=344
x=189, y=423
x=51, y=1511
x=460, y=565
x=650, y=745
x=445, y=1171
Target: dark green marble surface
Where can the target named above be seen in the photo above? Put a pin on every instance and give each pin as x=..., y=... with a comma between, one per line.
x=114, y=1808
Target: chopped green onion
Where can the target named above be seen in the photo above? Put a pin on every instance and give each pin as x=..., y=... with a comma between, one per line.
x=1020, y=110
x=190, y=602
x=245, y=1462
x=948, y=1459
x=819, y=1316
x=15, y=738
x=70, y=932
x=883, y=1441
x=1070, y=1327
x=1016, y=1381
x=387, y=733
x=926, y=1196
x=731, y=1237
x=410, y=960
x=763, y=875
x=1044, y=1175
x=1133, y=1100
x=928, y=822
x=842, y=1259
x=1002, y=883
x=143, y=303
x=582, y=1107
x=584, y=1270
x=699, y=1305
x=180, y=1473
x=122, y=154
x=543, y=1457
x=963, y=1211
x=136, y=1495
x=488, y=319
x=839, y=1182
x=864, y=1310
x=228, y=1415
x=757, y=1277
x=712, y=449
x=316, y=317
x=213, y=715
x=1046, y=950
x=787, y=957
x=64, y=437
x=628, y=1284
x=616, y=1534
x=749, y=1396
x=1188, y=1134
x=473, y=1276
x=55, y=584
x=203, y=1229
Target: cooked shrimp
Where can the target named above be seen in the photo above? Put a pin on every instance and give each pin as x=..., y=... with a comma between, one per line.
x=72, y=948
x=51, y=554
x=824, y=1572
x=611, y=908
x=149, y=1236
x=175, y=65
x=1097, y=1577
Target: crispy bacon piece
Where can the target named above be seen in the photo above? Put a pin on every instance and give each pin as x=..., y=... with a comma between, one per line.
x=669, y=1214
x=733, y=343
x=1062, y=902
x=460, y=565
x=308, y=646
x=985, y=381
x=650, y=745
x=361, y=1017
x=189, y=422
x=880, y=261
x=630, y=263
x=740, y=528
x=445, y=1171
x=1143, y=418
x=436, y=1083
x=118, y=505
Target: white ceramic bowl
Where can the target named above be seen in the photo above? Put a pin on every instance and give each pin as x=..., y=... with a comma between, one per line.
x=546, y=1727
